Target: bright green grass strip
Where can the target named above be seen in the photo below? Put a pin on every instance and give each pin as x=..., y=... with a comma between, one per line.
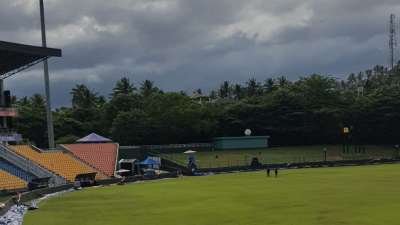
x=366, y=195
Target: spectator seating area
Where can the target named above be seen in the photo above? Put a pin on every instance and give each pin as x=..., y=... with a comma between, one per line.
x=16, y=171
x=11, y=182
x=58, y=162
x=90, y=152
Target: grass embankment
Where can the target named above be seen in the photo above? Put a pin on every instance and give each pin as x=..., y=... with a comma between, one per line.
x=215, y=159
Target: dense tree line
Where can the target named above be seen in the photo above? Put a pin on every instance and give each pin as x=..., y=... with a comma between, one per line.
x=311, y=110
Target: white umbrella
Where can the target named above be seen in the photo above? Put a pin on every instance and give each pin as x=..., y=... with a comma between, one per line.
x=122, y=171
x=189, y=152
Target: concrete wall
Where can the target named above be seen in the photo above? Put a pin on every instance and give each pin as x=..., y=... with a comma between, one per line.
x=245, y=142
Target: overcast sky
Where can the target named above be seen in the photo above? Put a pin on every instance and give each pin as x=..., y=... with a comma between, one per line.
x=189, y=44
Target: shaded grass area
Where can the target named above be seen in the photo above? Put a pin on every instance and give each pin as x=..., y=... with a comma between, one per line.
x=365, y=195
x=226, y=158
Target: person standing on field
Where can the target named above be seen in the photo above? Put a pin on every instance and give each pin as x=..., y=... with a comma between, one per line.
x=276, y=172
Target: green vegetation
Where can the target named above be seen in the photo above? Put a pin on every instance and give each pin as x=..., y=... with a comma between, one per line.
x=215, y=159
x=350, y=195
x=309, y=111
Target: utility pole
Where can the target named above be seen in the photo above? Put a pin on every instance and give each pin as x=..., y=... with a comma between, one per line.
x=50, y=129
x=392, y=40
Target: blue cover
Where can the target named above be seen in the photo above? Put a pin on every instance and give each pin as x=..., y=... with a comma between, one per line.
x=149, y=161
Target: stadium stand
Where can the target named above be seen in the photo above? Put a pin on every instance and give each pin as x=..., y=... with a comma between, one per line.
x=10, y=182
x=14, y=170
x=56, y=161
x=27, y=165
x=101, y=156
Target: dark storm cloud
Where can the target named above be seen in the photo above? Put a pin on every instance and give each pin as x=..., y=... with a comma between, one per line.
x=188, y=44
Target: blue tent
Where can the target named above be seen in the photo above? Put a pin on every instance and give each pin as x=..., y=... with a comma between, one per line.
x=150, y=163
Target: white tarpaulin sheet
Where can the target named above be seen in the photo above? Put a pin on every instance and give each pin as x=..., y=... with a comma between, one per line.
x=15, y=215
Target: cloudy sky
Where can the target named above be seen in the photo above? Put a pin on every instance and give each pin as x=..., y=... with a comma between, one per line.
x=188, y=44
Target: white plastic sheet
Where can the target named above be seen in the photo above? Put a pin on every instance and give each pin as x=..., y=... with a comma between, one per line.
x=15, y=214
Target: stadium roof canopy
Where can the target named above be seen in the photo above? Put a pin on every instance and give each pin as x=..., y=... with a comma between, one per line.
x=17, y=57
x=93, y=138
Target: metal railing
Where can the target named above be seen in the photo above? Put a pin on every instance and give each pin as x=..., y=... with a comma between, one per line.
x=29, y=166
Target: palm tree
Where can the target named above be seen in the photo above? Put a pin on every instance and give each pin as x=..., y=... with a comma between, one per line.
x=147, y=88
x=38, y=101
x=82, y=97
x=283, y=81
x=224, y=90
x=238, y=91
x=269, y=85
x=253, y=87
x=123, y=86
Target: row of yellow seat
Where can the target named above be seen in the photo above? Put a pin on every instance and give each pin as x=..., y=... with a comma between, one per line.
x=58, y=162
x=10, y=182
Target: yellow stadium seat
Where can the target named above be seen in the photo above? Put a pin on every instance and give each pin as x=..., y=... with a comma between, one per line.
x=10, y=182
x=58, y=162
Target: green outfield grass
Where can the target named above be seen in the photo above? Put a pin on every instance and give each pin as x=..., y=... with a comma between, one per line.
x=215, y=159
x=367, y=195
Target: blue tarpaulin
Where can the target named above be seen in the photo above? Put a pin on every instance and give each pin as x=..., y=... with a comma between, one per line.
x=149, y=162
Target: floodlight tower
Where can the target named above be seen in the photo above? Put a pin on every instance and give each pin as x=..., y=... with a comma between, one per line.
x=392, y=40
x=50, y=128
